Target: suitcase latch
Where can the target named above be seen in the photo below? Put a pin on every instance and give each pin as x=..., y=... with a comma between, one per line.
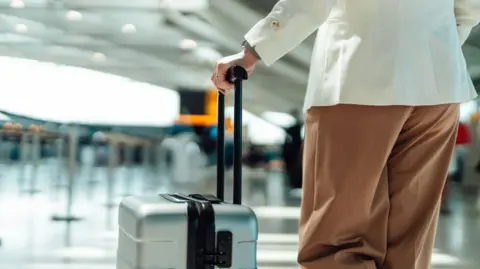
x=223, y=256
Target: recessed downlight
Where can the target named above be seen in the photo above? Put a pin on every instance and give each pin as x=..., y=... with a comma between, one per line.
x=129, y=29
x=99, y=57
x=188, y=44
x=74, y=15
x=21, y=28
x=17, y=4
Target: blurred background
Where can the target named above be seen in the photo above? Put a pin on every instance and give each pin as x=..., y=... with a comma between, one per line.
x=102, y=99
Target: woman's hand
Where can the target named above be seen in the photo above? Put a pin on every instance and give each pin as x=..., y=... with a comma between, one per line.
x=244, y=59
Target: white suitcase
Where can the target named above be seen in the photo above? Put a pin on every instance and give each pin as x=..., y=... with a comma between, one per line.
x=175, y=231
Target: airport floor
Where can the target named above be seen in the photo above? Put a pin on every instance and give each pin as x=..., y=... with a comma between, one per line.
x=31, y=240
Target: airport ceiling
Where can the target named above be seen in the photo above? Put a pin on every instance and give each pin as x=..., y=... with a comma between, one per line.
x=151, y=41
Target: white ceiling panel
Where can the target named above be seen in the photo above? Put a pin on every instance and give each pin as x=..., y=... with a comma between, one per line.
x=152, y=45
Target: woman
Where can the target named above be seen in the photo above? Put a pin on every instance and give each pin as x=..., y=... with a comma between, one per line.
x=381, y=121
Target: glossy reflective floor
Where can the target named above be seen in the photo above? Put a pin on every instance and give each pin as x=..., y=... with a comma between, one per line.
x=31, y=240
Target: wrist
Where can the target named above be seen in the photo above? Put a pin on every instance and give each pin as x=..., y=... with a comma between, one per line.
x=249, y=57
x=251, y=50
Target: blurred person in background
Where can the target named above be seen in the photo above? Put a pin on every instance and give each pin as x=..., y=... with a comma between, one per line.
x=229, y=153
x=292, y=156
x=463, y=139
x=255, y=157
x=206, y=142
x=382, y=109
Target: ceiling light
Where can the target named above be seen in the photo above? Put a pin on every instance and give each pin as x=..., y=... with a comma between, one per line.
x=17, y=4
x=73, y=15
x=129, y=29
x=21, y=28
x=99, y=57
x=188, y=44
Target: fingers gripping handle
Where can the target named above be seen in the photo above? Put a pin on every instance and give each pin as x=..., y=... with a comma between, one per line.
x=235, y=75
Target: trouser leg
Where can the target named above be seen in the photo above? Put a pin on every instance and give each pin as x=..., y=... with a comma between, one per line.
x=417, y=171
x=345, y=205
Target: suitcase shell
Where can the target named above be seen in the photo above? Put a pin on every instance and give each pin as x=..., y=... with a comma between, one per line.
x=174, y=231
x=154, y=233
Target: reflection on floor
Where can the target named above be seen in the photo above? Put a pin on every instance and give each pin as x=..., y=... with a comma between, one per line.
x=32, y=241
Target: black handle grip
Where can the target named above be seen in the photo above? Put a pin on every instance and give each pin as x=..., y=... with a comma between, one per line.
x=235, y=75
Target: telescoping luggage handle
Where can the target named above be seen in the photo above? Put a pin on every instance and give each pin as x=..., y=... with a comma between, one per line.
x=235, y=75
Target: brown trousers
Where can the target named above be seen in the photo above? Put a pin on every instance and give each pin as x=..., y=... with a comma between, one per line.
x=373, y=179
